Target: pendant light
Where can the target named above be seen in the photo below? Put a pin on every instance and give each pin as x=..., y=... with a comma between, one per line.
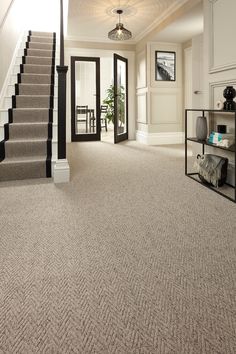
x=120, y=33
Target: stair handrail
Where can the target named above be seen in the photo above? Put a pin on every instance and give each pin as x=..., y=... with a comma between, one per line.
x=62, y=71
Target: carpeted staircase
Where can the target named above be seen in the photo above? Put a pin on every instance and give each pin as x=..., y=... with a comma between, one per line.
x=26, y=149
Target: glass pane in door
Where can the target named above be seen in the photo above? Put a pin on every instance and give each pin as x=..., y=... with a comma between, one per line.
x=85, y=97
x=121, y=97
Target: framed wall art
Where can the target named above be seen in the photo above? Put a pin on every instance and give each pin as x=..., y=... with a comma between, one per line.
x=165, y=65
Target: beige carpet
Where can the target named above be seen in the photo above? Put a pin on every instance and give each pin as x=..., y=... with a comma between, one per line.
x=131, y=257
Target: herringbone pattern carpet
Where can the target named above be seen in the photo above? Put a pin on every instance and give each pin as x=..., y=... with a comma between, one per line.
x=131, y=257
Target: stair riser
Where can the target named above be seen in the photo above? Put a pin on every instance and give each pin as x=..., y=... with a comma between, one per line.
x=43, y=46
x=44, y=70
x=54, y=149
x=24, y=132
x=37, y=69
x=29, y=91
x=32, y=102
x=4, y=118
x=37, y=45
x=42, y=34
x=33, y=79
x=7, y=103
x=54, y=132
x=35, y=39
x=14, y=79
x=21, y=53
x=23, y=171
x=36, y=61
x=27, y=149
x=35, y=90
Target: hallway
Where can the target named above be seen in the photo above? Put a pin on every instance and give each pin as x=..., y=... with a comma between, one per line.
x=124, y=259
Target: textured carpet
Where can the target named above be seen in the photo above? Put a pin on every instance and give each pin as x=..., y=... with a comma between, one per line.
x=130, y=257
x=26, y=150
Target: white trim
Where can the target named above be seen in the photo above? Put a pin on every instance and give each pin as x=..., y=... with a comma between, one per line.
x=160, y=138
x=212, y=67
x=166, y=14
x=61, y=172
x=11, y=68
x=221, y=83
x=97, y=40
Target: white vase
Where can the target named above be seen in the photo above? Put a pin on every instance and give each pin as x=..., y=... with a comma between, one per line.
x=201, y=128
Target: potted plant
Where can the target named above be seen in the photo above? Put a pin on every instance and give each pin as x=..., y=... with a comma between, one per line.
x=109, y=101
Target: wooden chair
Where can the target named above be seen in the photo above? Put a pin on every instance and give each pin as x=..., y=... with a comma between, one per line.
x=103, y=118
x=82, y=110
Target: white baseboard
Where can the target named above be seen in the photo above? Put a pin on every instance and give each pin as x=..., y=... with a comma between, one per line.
x=61, y=173
x=160, y=138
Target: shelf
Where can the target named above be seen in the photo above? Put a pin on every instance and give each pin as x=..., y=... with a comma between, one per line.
x=210, y=110
x=227, y=191
x=205, y=142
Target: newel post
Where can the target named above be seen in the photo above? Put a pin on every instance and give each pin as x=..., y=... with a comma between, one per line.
x=61, y=169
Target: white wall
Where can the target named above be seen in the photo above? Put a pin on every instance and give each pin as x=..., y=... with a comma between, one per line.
x=219, y=48
x=159, y=103
x=106, y=63
x=24, y=15
x=5, y=6
x=219, y=57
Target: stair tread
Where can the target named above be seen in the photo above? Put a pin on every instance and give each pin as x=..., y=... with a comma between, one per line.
x=37, y=96
x=21, y=159
x=26, y=140
x=40, y=49
x=41, y=42
x=28, y=123
x=37, y=65
x=30, y=109
x=23, y=84
x=36, y=74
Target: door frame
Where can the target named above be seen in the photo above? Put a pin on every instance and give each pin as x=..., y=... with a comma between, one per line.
x=85, y=137
x=120, y=137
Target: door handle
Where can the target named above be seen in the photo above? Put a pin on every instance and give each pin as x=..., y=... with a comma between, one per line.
x=197, y=92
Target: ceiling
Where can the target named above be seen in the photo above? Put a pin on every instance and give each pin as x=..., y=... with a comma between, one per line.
x=91, y=20
x=184, y=28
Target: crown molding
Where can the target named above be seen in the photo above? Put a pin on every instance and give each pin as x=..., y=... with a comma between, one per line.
x=168, y=12
x=98, y=40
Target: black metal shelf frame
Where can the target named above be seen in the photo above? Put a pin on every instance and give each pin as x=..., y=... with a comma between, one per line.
x=205, y=142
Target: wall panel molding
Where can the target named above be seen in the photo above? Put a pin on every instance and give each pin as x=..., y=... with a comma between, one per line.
x=219, y=84
x=218, y=39
x=164, y=107
x=142, y=107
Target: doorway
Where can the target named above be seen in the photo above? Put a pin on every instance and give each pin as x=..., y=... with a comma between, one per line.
x=99, y=98
x=85, y=99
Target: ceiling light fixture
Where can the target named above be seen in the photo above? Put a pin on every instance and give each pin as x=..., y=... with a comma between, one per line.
x=120, y=33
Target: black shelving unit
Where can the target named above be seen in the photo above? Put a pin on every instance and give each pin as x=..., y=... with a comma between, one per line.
x=194, y=175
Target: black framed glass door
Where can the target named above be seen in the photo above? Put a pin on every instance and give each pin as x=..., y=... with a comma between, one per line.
x=120, y=98
x=85, y=98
